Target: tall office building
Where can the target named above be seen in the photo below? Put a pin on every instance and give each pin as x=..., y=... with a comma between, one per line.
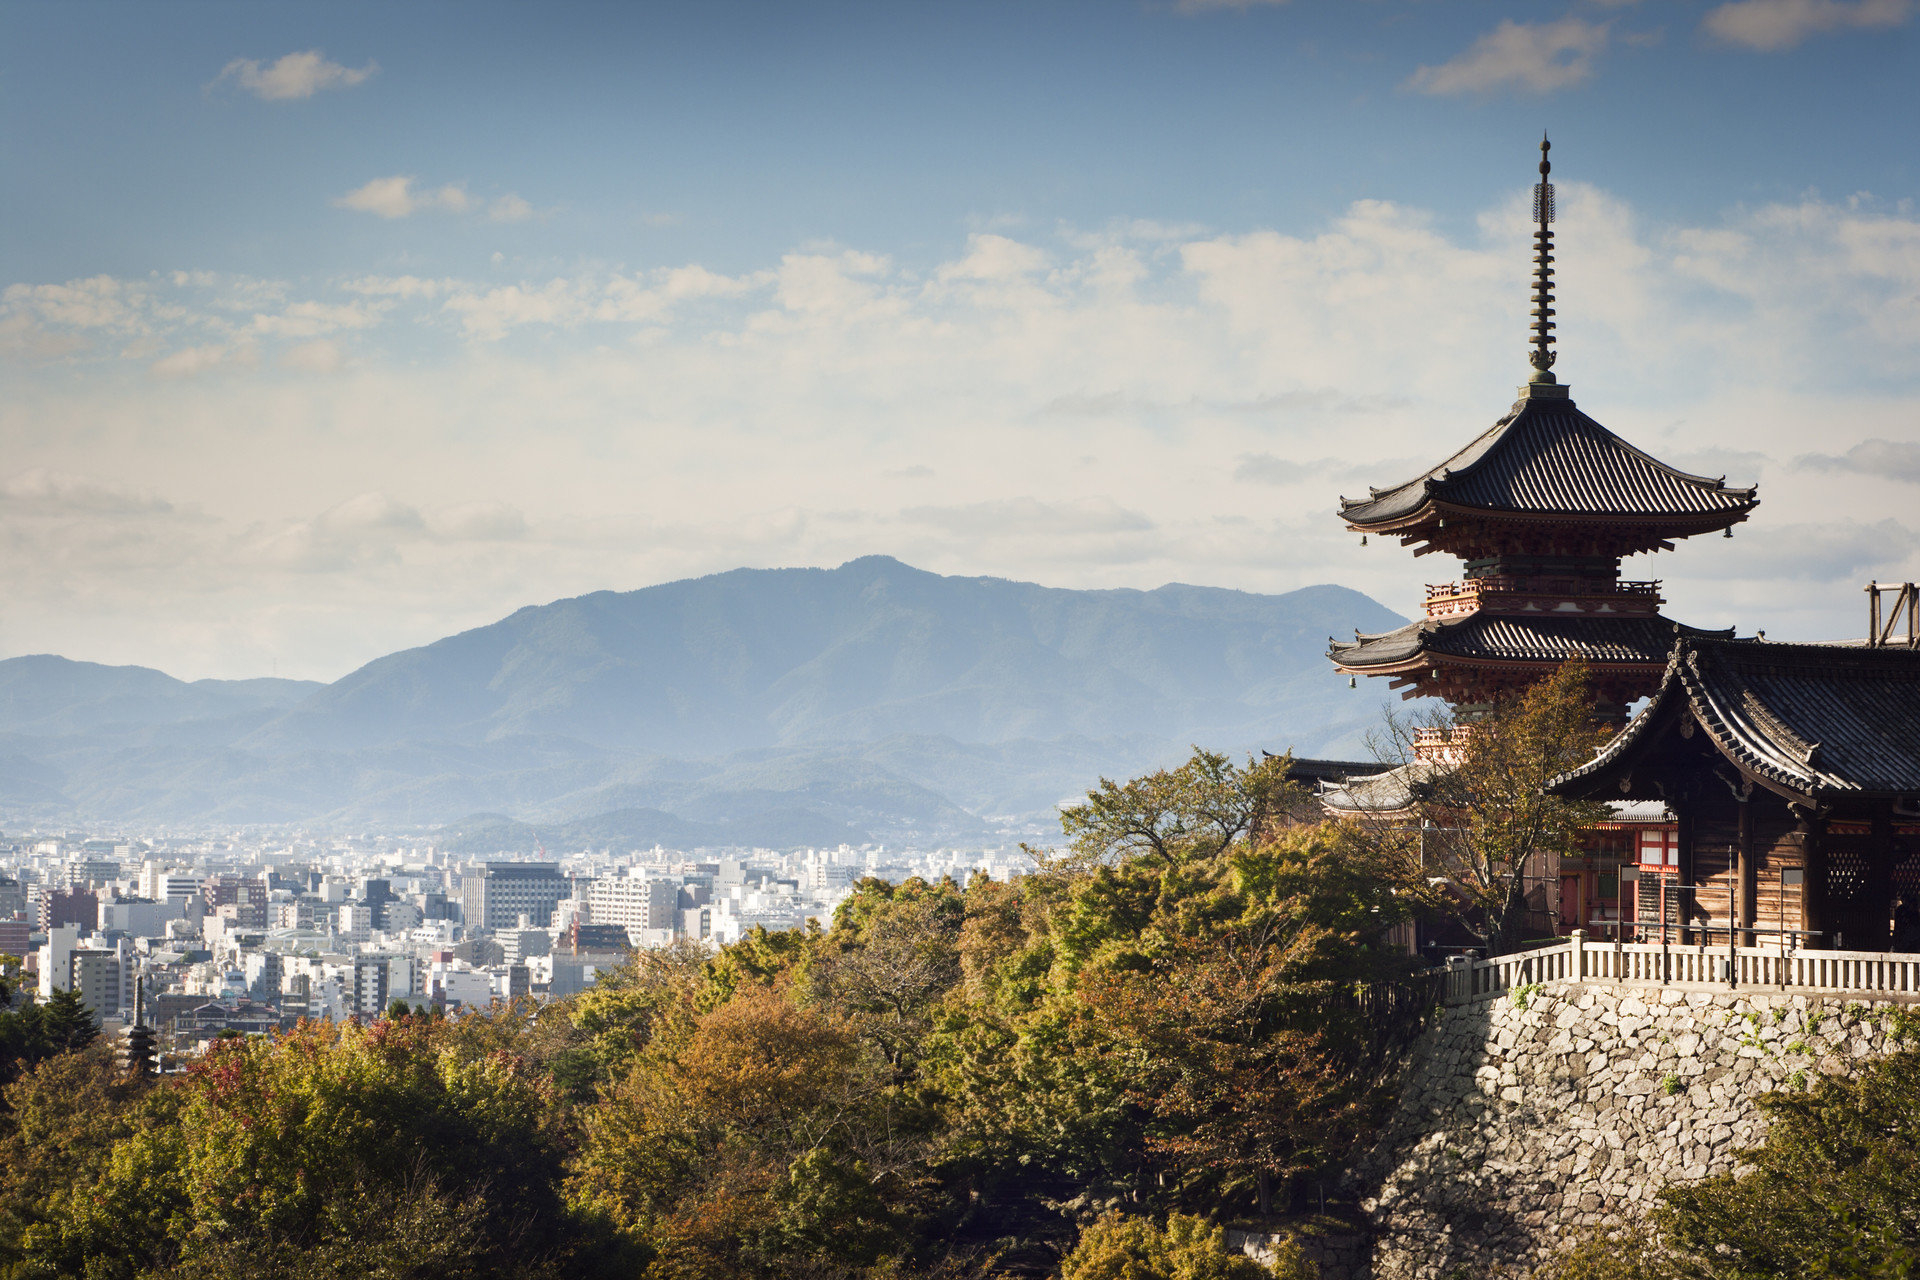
x=496, y=895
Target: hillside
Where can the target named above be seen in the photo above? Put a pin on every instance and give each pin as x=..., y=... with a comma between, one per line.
x=873, y=697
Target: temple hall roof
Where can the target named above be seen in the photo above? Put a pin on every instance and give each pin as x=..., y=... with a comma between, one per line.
x=1810, y=719
x=1641, y=640
x=1548, y=458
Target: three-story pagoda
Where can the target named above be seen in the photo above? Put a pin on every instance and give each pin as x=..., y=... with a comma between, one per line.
x=1542, y=507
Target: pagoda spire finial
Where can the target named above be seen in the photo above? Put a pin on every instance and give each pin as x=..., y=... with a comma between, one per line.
x=1543, y=353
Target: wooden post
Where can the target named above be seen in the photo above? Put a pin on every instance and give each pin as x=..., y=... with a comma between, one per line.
x=1877, y=912
x=1683, y=819
x=1746, y=892
x=1813, y=893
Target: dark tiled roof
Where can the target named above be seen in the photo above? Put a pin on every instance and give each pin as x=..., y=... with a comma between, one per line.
x=1308, y=770
x=1817, y=719
x=1548, y=457
x=1546, y=638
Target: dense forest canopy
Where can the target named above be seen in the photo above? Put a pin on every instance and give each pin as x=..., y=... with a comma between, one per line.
x=1175, y=1023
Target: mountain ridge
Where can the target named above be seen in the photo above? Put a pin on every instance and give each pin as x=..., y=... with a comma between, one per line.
x=865, y=695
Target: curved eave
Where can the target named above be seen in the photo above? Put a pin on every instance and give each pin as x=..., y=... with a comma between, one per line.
x=1622, y=751
x=1618, y=646
x=1424, y=520
x=1743, y=743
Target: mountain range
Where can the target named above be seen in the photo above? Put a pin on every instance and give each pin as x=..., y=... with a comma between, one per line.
x=778, y=706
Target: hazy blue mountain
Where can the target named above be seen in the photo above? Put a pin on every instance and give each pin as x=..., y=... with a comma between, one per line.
x=870, y=699
x=45, y=694
x=757, y=658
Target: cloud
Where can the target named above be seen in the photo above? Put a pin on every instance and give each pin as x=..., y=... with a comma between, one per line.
x=1770, y=26
x=191, y=362
x=395, y=198
x=322, y=355
x=991, y=257
x=403, y=287
x=1026, y=517
x=23, y=339
x=310, y=319
x=98, y=302
x=1538, y=57
x=297, y=75
x=509, y=208
x=49, y=491
x=671, y=422
x=1891, y=459
x=491, y=313
x=1844, y=552
x=479, y=522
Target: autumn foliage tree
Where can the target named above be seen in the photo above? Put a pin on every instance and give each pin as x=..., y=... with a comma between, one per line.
x=1490, y=821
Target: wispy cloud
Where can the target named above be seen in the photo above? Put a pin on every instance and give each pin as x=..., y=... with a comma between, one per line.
x=1889, y=459
x=1024, y=411
x=1535, y=57
x=297, y=75
x=190, y=362
x=1770, y=26
x=395, y=197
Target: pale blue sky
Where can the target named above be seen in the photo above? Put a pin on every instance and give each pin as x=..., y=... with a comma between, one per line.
x=330, y=329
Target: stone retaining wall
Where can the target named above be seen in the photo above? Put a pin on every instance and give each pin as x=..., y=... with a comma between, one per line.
x=1530, y=1115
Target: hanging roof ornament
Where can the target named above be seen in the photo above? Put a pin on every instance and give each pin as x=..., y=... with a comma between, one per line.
x=1543, y=353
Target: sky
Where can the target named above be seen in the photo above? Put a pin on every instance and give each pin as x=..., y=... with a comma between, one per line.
x=327, y=330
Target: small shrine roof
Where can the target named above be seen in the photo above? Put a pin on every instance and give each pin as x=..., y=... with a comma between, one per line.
x=1548, y=458
x=1307, y=769
x=1520, y=638
x=1814, y=720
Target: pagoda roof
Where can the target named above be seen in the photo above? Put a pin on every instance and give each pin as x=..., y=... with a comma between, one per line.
x=1547, y=458
x=1808, y=720
x=1640, y=640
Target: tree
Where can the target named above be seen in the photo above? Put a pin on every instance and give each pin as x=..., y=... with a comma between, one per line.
x=1833, y=1191
x=1187, y=1248
x=735, y=1146
x=58, y=1124
x=374, y=1150
x=1175, y=815
x=1492, y=819
x=892, y=956
x=66, y=1023
x=1184, y=1031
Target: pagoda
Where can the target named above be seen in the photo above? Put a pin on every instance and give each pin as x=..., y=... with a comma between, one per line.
x=1542, y=507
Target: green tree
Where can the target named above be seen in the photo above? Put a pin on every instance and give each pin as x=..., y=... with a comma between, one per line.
x=375, y=1149
x=735, y=1145
x=889, y=961
x=1174, y=815
x=1833, y=1191
x=66, y=1023
x=1492, y=820
x=1186, y=1248
x=58, y=1125
x=1180, y=1031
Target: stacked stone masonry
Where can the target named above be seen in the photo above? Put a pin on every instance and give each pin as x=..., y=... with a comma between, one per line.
x=1528, y=1116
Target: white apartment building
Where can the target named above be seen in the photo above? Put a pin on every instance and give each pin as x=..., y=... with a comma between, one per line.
x=634, y=903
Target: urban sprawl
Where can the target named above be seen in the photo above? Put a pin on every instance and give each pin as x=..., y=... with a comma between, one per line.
x=238, y=936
